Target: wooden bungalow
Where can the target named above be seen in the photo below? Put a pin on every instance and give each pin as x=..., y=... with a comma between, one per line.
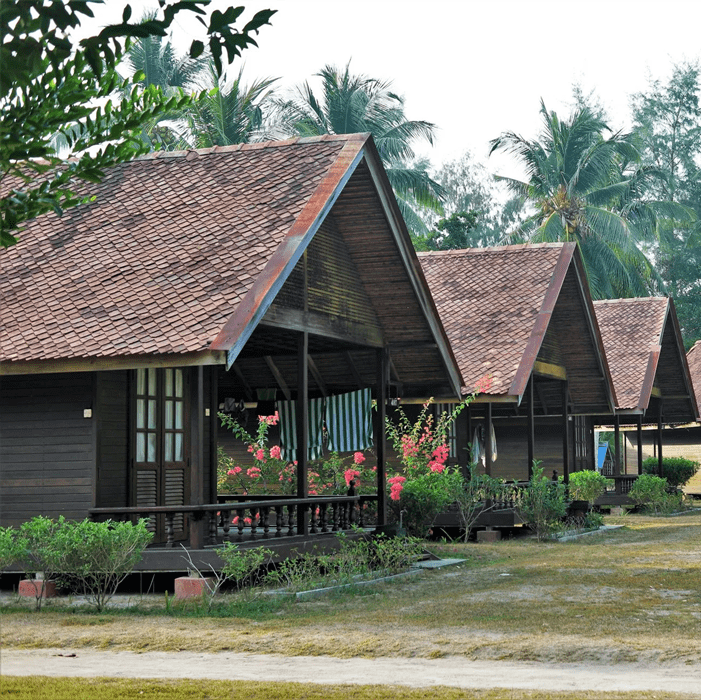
x=651, y=377
x=522, y=316
x=195, y=277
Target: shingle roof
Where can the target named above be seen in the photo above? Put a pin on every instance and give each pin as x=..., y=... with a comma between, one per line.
x=632, y=332
x=693, y=357
x=489, y=300
x=160, y=260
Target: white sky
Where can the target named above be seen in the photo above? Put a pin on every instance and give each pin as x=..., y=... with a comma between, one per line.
x=476, y=68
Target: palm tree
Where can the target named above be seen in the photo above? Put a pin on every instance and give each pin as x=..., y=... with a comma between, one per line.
x=591, y=190
x=164, y=68
x=230, y=113
x=350, y=104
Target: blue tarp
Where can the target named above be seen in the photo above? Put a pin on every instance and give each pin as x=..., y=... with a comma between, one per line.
x=601, y=455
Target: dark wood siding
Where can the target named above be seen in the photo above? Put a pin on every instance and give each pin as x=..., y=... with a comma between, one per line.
x=111, y=415
x=47, y=447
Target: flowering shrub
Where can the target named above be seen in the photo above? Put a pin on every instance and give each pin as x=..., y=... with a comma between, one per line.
x=427, y=485
x=270, y=474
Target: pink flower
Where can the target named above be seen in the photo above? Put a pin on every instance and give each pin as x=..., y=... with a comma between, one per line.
x=398, y=479
x=250, y=448
x=275, y=452
x=395, y=492
x=358, y=457
x=260, y=454
x=483, y=384
x=253, y=472
x=247, y=521
x=350, y=474
x=436, y=467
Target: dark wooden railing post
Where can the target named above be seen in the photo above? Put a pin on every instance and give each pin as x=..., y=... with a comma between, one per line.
x=382, y=376
x=530, y=426
x=302, y=417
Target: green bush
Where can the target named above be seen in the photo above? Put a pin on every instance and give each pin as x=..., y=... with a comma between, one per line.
x=242, y=565
x=588, y=485
x=676, y=470
x=426, y=495
x=649, y=492
x=96, y=557
x=37, y=553
x=541, y=504
x=9, y=547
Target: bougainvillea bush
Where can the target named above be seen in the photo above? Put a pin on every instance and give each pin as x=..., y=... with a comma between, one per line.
x=271, y=474
x=426, y=485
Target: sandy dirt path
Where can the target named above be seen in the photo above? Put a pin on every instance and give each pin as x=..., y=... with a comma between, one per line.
x=451, y=671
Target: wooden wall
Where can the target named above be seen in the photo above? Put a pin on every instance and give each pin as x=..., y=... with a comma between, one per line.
x=111, y=416
x=47, y=447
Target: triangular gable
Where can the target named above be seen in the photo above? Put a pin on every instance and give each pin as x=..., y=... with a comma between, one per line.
x=693, y=358
x=506, y=312
x=645, y=352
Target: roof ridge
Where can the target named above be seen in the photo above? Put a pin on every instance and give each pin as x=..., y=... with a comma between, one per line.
x=494, y=248
x=254, y=146
x=630, y=300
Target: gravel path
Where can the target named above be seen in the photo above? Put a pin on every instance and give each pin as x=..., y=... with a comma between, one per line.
x=451, y=671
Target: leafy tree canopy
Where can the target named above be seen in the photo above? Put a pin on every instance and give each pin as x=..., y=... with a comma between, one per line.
x=587, y=186
x=50, y=82
x=667, y=122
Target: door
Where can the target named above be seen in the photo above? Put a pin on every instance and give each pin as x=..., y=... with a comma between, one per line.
x=161, y=474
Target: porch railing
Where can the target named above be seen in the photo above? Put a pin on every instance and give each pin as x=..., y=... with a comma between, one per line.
x=258, y=518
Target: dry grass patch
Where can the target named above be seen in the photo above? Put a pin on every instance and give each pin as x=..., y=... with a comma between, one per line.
x=629, y=595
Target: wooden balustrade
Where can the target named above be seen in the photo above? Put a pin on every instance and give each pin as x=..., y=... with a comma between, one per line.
x=252, y=519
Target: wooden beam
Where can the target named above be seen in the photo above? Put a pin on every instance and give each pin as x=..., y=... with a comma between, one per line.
x=617, y=444
x=250, y=394
x=547, y=369
x=639, y=435
x=565, y=433
x=488, y=442
x=659, y=439
x=530, y=427
x=317, y=377
x=335, y=328
x=382, y=375
x=302, y=415
x=353, y=369
x=278, y=377
x=199, y=529
x=539, y=391
x=394, y=371
x=95, y=364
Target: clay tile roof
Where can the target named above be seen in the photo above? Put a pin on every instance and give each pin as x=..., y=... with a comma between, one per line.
x=160, y=260
x=631, y=330
x=693, y=357
x=488, y=300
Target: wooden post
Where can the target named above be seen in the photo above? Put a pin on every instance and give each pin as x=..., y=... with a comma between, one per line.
x=382, y=371
x=488, y=441
x=659, y=440
x=199, y=527
x=565, y=433
x=639, y=436
x=530, y=426
x=213, y=431
x=302, y=419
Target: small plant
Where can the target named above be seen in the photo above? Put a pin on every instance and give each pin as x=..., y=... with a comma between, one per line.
x=676, y=470
x=541, y=503
x=588, y=485
x=96, y=557
x=476, y=494
x=242, y=565
x=649, y=492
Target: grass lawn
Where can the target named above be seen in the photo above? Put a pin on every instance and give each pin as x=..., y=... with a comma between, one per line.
x=120, y=689
x=629, y=595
